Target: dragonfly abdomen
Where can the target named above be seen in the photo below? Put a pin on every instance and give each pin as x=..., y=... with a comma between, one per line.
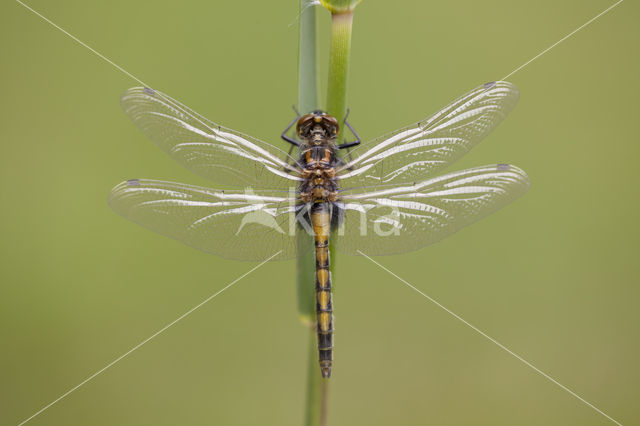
x=321, y=222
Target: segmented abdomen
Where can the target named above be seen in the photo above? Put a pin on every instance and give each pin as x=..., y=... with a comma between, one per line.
x=320, y=220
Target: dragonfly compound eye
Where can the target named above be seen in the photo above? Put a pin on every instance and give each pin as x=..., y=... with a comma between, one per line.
x=304, y=125
x=331, y=124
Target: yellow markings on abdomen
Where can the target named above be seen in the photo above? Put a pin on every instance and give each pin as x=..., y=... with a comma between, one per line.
x=323, y=298
x=324, y=321
x=322, y=276
x=322, y=256
x=321, y=221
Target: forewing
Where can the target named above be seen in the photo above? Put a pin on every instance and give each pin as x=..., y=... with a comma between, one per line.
x=234, y=225
x=228, y=158
x=413, y=153
x=391, y=219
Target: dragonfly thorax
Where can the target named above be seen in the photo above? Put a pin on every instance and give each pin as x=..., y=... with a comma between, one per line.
x=318, y=174
x=319, y=136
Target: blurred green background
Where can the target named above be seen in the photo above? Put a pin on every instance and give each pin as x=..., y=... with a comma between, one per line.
x=554, y=276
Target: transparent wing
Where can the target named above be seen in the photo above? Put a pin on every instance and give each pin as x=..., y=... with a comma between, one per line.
x=391, y=219
x=234, y=225
x=228, y=158
x=413, y=153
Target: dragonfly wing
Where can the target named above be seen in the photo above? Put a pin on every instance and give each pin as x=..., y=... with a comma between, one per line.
x=391, y=219
x=227, y=157
x=231, y=224
x=413, y=153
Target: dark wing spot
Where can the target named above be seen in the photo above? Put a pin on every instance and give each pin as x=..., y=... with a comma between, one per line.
x=489, y=85
x=504, y=167
x=133, y=182
x=149, y=91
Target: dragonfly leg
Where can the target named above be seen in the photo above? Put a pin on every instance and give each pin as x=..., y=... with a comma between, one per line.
x=290, y=161
x=289, y=139
x=348, y=145
x=289, y=156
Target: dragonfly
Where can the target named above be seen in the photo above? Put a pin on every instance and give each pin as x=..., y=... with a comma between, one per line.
x=380, y=197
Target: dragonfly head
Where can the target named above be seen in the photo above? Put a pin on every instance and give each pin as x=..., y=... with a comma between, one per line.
x=319, y=124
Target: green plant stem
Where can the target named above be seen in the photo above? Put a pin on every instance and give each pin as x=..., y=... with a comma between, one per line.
x=317, y=387
x=341, y=24
x=307, y=101
x=308, y=61
x=315, y=412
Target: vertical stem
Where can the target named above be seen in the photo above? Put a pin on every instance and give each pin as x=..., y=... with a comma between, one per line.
x=340, y=49
x=307, y=101
x=308, y=60
x=315, y=413
x=316, y=403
